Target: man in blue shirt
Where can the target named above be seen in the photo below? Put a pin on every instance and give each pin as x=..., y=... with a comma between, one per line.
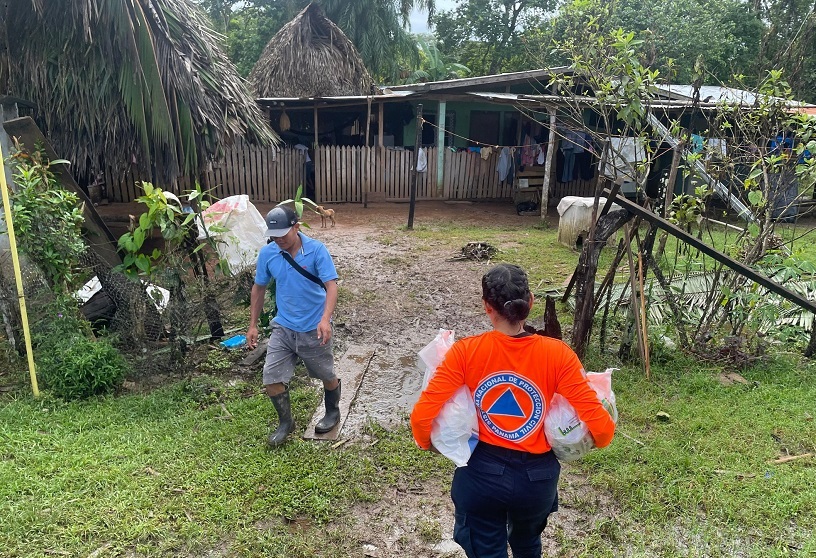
x=302, y=326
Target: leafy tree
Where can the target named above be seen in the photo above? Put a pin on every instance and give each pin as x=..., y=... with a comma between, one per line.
x=47, y=220
x=789, y=42
x=248, y=26
x=733, y=315
x=378, y=28
x=729, y=37
x=434, y=66
x=488, y=36
x=675, y=33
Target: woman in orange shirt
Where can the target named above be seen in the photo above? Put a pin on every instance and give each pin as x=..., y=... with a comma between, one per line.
x=509, y=486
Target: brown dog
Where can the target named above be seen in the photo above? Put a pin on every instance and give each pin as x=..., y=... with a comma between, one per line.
x=325, y=214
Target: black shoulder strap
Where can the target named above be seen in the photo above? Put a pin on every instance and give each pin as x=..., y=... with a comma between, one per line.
x=302, y=271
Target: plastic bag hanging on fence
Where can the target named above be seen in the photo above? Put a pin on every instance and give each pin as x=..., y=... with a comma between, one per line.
x=567, y=434
x=238, y=228
x=455, y=430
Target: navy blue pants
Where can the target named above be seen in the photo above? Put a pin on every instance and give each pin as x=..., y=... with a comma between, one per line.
x=504, y=496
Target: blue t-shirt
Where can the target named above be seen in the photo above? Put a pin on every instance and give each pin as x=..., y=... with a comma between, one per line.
x=300, y=302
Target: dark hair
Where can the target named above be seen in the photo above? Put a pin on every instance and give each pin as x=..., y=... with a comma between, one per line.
x=505, y=288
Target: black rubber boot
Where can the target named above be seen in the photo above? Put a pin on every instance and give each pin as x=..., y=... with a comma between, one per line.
x=332, y=416
x=286, y=424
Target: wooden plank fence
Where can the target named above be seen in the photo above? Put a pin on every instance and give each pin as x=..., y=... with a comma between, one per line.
x=342, y=174
x=265, y=174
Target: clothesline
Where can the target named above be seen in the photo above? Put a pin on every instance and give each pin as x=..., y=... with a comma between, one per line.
x=494, y=146
x=478, y=143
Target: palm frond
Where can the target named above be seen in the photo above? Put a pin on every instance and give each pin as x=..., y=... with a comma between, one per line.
x=124, y=81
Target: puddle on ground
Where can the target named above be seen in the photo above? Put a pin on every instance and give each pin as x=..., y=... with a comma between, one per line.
x=387, y=393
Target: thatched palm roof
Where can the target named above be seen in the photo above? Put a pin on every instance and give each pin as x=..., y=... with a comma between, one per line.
x=127, y=81
x=310, y=57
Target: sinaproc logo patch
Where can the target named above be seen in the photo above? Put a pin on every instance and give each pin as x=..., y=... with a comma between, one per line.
x=510, y=405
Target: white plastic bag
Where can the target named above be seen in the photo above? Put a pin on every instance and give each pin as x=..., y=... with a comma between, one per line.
x=567, y=434
x=432, y=354
x=455, y=430
x=242, y=230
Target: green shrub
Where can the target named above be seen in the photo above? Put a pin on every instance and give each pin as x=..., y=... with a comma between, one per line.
x=55, y=319
x=77, y=367
x=47, y=219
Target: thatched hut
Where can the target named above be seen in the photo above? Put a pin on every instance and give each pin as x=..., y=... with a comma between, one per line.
x=310, y=57
x=127, y=82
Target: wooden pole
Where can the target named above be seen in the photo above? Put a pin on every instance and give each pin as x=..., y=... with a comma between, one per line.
x=634, y=304
x=315, y=126
x=417, y=145
x=586, y=270
x=440, y=149
x=367, y=156
x=672, y=178
x=549, y=165
x=368, y=118
x=644, y=328
x=18, y=277
x=380, y=118
x=380, y=159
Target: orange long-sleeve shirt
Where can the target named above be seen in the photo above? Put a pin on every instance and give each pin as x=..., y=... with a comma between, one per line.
x=512, y=380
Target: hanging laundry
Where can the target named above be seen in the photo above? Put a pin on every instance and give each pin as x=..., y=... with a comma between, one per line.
x=622, y=158
x=559, y=164
x=527, y=151
x=505, y=164
x=541, y=156
x=697, y=143
x=577, y=139
x=511, y=173
x=584, y=162
x=568, y=149
x=422, y=160
x=486, y=152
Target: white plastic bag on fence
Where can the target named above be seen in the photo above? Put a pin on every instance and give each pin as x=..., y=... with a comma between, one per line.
x=567, y=434
x=455, y=430
x=244, y=235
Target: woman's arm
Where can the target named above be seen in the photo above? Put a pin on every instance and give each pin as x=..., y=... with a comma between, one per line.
x=573, y=384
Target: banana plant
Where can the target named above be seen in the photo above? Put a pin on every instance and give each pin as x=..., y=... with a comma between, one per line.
x=300, y=202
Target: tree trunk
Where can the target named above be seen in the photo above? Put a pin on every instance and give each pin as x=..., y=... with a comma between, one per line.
x=585, y=276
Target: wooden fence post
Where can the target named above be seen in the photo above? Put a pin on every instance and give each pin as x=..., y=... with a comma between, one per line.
x=417, y=145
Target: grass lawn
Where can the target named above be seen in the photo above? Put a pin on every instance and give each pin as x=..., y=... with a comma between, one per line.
x=174, y=473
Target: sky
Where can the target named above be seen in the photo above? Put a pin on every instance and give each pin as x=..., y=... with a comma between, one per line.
x=419, y=19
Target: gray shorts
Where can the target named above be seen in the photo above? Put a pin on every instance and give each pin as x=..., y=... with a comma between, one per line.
x=284, y=348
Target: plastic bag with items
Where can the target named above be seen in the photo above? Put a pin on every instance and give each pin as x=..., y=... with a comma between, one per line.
x=455, y=430
x=238, y=227
x=567, y=434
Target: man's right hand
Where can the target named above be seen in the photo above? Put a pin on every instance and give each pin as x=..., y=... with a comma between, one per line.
x=252, y=336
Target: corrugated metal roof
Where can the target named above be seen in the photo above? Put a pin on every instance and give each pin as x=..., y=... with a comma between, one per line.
x=711, y=93
x=504, y=79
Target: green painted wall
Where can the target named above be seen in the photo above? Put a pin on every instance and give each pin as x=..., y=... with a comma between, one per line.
x=462, y=111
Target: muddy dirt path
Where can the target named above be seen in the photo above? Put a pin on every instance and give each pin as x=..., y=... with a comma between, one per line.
x=397, y=292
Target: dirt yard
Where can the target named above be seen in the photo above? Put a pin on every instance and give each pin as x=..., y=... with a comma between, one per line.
x=394, y=297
